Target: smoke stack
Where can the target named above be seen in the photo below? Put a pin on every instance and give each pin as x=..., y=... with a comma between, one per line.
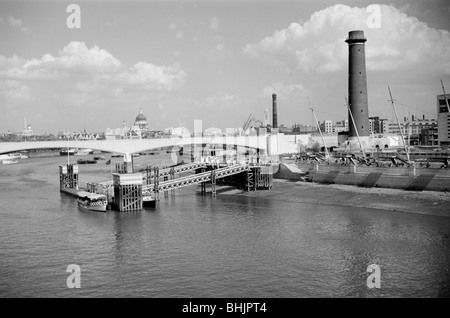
x=357, y=85
x=274, y=111
x=423, y=116
x=413, y=117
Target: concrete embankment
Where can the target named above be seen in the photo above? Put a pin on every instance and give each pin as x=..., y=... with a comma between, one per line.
x=291, y=172
x=412, y=179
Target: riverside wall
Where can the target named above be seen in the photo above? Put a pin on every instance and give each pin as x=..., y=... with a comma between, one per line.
x=412, y=179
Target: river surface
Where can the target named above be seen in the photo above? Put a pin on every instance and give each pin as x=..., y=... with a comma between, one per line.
x=231, y=245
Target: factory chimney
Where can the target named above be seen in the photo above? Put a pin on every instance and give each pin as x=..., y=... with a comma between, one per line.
x=274, y=111
x=357, y=86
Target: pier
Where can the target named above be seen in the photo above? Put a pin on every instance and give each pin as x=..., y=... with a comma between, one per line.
x=125, y=193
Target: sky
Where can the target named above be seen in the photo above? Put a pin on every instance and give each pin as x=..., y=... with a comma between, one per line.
x=216, y=61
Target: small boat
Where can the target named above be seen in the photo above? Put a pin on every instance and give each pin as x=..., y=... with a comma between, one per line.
x=116, y=155
x=99, y=158
x=86, y=161
x=10, y=158
x=91, y=201
x=67, y=152
x=83, y=152
x=10, y=161
x=147, y=200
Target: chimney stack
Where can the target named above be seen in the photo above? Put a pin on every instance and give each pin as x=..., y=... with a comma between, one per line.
x=274, y=111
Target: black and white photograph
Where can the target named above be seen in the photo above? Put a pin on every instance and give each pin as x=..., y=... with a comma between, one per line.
x=224, y=154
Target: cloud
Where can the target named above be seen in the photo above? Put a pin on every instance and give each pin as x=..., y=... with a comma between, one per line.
x=220, y=98
x=94, y=63
x=13, y=22
x=218, y=53
x=14, y=91
x=150, y=76
x=282, y=90
x=85, y=76
x=401, y=43
x=75, y=57
x=214, y=23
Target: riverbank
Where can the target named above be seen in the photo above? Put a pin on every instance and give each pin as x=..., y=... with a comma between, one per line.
x=425, y=202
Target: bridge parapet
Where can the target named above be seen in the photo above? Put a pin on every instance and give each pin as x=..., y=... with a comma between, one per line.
x=130, y=146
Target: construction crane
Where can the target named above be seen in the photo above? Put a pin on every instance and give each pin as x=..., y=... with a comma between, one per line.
x=248, y=123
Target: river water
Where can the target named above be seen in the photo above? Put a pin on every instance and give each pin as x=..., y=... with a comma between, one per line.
x=231, y=245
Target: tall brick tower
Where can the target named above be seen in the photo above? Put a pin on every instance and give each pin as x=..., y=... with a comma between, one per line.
x=357, y=88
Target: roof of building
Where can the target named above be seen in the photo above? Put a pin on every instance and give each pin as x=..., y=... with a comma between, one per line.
x=140, y=116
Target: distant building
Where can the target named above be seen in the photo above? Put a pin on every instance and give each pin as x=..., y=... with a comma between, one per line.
x=177, y=132
x=341, y=126
x=141, y=122
x=213, y=132
x=443, y=120
x=27, y=131
x=377, y=125
x=118, y=133
x=429, y=136
x=327, y=127
x=83, y=135
x=137, y=131
x=304, y=129
x=412, y=129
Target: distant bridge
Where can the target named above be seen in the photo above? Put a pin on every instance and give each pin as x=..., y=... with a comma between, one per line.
x=265, y=143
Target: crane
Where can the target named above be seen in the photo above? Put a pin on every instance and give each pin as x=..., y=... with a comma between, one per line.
x=248, y=123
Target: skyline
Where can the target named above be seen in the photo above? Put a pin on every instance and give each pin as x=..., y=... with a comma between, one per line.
x=215, y=61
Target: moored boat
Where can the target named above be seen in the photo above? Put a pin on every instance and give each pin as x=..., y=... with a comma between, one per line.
x=99, y=158
x=67, y=152
x=86, y=161
x=10, y=158
x=10, y=161
x=91, y=201
x=147, y=200
x=83, y=152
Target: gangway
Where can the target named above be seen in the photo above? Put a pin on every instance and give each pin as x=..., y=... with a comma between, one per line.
x=196, y=178
x=175, y=169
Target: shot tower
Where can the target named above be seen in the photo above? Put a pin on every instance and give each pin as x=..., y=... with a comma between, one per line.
x=357, y=89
